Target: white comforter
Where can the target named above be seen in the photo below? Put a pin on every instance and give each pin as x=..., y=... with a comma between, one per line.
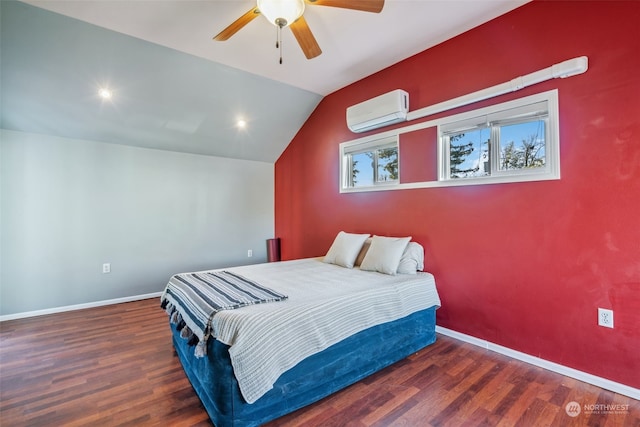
x=326, y=304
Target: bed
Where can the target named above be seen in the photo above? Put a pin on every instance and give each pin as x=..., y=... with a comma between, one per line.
x=340, y=319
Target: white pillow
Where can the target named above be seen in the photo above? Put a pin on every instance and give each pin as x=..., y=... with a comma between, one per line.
x=412, y=259
x=345, y=249
x=384, y=254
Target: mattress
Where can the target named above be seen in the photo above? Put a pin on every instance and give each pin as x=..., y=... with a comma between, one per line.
x=314, y=378
x=326, y=304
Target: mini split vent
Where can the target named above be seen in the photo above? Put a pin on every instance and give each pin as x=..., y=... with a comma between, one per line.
x=377, y=112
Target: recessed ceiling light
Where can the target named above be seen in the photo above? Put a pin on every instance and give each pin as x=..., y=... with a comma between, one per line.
x=105, y=93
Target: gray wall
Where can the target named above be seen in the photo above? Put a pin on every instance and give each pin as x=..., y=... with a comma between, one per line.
x=68, y=206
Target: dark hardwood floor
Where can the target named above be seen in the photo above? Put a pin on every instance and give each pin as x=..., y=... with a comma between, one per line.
x=115, y=366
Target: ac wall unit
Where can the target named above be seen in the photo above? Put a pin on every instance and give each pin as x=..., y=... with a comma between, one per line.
x=377, y=112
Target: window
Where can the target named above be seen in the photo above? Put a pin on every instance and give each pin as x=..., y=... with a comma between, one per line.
x=515, y=141
x=502, y=143
x=371, y=163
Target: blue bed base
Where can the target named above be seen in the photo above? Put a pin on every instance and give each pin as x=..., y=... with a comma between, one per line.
x=312, y=379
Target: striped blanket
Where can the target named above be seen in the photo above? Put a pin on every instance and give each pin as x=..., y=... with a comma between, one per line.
x=192, y=299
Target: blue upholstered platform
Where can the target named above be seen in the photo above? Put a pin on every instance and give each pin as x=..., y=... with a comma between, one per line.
x=311, y=380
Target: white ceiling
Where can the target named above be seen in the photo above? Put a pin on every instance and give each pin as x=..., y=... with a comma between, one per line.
x=354, y=44
x=52, y=68
x=176, y=89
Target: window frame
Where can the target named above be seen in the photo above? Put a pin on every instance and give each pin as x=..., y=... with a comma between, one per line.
x=348, y=150
x=552, y=149
x=493, y=119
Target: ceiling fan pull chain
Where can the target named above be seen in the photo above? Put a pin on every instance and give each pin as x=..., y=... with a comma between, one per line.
x=279, y=42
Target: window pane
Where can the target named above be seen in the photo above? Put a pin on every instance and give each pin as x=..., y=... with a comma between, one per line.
x=388, y=164
x=362, y=169
x=522, y=146
x=469, y=153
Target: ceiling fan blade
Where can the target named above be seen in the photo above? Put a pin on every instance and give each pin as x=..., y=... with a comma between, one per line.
x=305, y=38
x=237, y=25
x=374, y=6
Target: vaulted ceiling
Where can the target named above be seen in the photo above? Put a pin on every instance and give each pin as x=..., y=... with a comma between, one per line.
x=176, y=89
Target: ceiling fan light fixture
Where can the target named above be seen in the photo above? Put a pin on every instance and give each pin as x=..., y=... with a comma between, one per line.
x=281, y=13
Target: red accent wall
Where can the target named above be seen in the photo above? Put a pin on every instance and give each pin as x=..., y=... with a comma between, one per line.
x=523, y=265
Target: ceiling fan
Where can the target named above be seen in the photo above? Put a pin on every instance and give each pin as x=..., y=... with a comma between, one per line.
x=288, y=13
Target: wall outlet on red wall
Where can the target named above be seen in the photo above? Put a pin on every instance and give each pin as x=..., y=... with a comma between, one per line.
x=605, y=317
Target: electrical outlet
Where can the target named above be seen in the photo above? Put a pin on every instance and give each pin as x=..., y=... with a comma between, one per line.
x=249, y=253
x=106, y=268
x=605, y=317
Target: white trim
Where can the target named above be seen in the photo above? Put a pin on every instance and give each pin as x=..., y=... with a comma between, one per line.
x=78, y=306
x=498, y=113
x=452, y=183
x=571, y=67
x=604, y=383
x=363, y=145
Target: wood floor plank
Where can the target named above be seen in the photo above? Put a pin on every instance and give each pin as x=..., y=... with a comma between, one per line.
x=115, y=366
x=401, y=399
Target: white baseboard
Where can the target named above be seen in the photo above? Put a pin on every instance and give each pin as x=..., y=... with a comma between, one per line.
x=77, y=306
x=613, y=386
